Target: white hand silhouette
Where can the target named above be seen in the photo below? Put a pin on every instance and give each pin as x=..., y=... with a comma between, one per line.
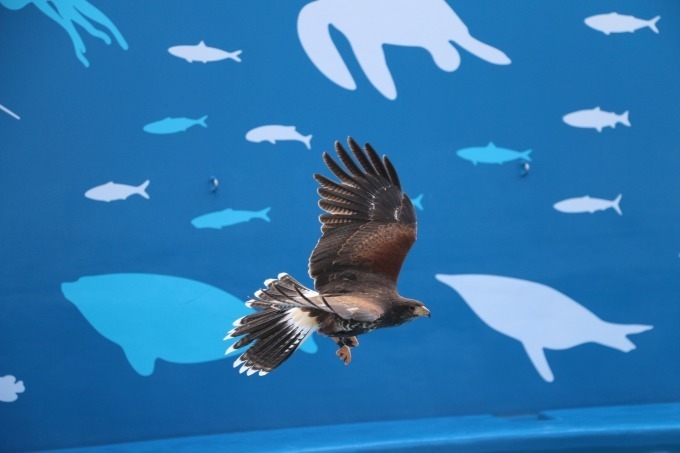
x=369, y=24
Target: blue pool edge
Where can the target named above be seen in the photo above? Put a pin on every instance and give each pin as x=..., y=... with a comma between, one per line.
x=582, y=428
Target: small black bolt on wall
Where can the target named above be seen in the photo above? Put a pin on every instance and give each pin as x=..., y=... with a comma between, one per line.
x=214, y=184
x=525, y=168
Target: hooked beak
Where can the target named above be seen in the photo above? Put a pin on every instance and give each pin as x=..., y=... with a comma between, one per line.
x=422, y=311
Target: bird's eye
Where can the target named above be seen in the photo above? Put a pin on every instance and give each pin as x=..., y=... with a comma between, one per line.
x=412, y=308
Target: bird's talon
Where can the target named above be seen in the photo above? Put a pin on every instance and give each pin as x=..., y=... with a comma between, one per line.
x=345, y=354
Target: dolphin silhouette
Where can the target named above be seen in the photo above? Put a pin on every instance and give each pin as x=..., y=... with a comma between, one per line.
x=538, y=316
x=369, y=24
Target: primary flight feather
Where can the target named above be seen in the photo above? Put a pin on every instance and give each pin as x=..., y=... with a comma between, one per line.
x=368, y=230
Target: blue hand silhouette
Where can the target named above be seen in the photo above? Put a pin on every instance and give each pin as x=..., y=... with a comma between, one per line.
x=69, y=13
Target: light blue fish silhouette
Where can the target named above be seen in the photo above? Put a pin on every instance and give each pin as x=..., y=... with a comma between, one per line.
x=68, y=14
x=228, y=217
x=159, y=316
x=418, y=202
x=491, y=154
x=173, y=125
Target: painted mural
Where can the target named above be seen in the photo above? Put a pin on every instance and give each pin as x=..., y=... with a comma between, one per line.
x=10, y=388
x=429, y=24
x=272, y=133
x=158, y=316
x=538, y=316
x=71, y=13
x=519, y=125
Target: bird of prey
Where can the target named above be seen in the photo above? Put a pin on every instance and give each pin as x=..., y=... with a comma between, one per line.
x=369, y=227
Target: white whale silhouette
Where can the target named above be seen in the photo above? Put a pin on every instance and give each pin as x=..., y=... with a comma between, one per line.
x=596, y=119
x=273, y=132
x=538, y=316
x=588, y=204
x=369, y=24
x=112, y=191
x=619, y=23
x=201, y=52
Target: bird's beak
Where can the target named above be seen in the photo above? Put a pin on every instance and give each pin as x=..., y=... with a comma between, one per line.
x=422, y=311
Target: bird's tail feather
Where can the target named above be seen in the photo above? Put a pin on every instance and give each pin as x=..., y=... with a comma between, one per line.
x=276, y=332
x=282, y=292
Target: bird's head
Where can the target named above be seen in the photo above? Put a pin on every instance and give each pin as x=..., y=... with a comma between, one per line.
x=410, y=309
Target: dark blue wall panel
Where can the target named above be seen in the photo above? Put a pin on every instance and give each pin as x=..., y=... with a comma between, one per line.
x=81, y=127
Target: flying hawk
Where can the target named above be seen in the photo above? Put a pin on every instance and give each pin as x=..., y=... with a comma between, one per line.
x=369, y=228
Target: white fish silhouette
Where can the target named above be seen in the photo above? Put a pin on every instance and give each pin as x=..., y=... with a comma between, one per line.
x=596, y=119
x=619, y=23
x=273, y=133
x=368, y=25
x=588, y=204
x=112, y=191
x=9, y=388
x=201, y=52
x=538, y=316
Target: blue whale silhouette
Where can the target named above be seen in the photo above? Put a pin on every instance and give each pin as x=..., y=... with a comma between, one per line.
x=159, y=316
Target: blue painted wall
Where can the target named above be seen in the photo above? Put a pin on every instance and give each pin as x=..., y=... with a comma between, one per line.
x=82, y=127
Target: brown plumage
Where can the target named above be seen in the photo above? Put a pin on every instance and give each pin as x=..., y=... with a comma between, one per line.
x=369, y=227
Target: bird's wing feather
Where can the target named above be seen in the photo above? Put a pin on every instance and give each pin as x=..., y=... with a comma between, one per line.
x=355, y=307
x=370, y=223
x=285, y=293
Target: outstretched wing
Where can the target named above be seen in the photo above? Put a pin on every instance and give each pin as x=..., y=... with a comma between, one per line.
x=370, y=223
